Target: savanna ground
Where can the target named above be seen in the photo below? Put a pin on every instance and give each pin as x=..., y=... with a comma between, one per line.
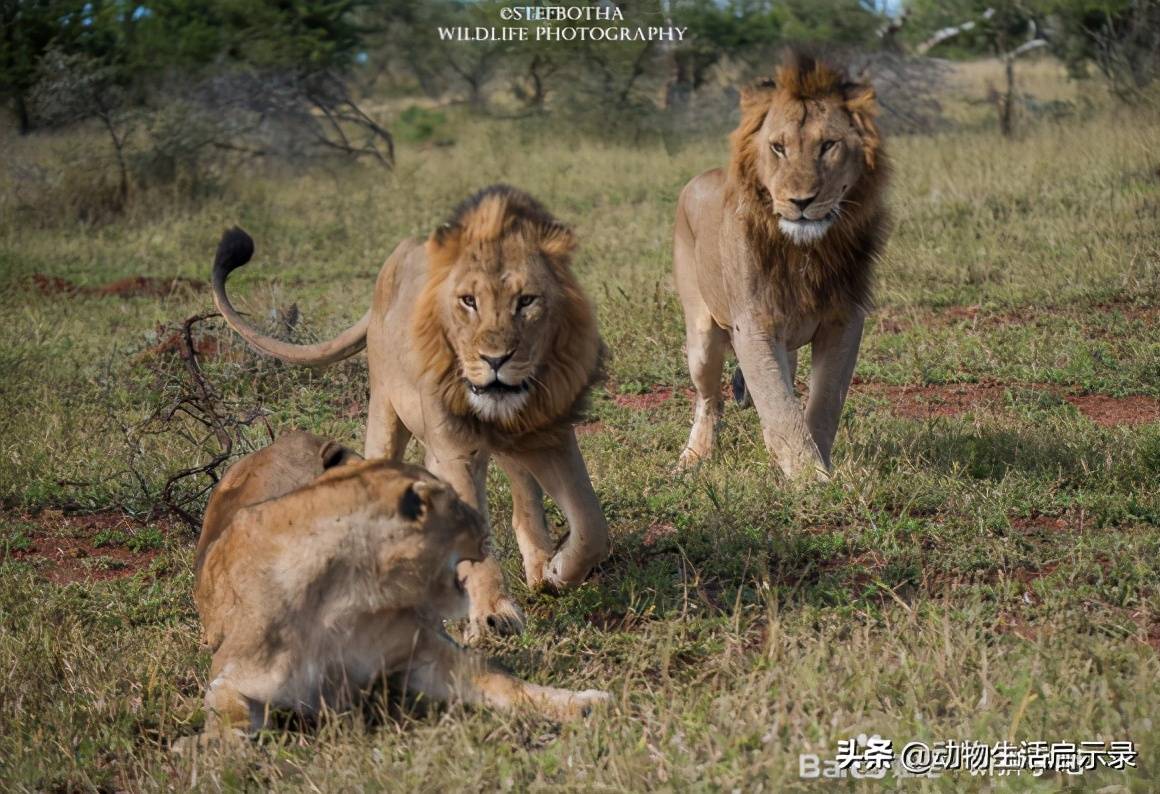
x=985, y=564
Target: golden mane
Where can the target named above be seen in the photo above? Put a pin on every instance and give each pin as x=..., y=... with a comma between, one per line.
x=572, y=363
x=837, y=272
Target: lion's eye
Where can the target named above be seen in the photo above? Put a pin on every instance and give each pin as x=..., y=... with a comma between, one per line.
x=778, y=149
x=467, y=300
x=524, y=301
x=827, y=145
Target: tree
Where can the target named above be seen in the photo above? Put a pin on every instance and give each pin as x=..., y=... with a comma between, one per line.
x=72, y=87
x=28, y=28
x=1121, y=37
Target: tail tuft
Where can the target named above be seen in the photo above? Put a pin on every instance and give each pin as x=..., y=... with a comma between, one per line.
x=234, y=250
x=740, y=394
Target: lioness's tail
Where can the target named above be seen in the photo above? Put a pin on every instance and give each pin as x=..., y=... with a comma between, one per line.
x=235, y=250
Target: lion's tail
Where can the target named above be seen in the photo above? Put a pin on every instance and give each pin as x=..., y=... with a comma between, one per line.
x=235, y=250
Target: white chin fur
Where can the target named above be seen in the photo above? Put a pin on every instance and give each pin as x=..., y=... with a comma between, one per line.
x=497, y=407
x=804, y=232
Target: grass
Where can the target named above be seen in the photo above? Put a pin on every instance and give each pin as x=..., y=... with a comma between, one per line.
x=990, y=574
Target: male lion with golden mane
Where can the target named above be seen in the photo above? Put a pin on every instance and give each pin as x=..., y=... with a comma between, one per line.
x=317, y=574
x=777, y=253
x=480, y=343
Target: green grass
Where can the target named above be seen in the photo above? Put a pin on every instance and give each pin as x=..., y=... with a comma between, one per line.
x=991, y=575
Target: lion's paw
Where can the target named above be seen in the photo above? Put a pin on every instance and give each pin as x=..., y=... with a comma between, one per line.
x=502, y=617
x=582, y=704
x=572, y=565
x=688, y=461
x=188, y=746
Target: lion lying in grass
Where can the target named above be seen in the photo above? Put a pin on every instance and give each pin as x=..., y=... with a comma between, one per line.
x=318, y=573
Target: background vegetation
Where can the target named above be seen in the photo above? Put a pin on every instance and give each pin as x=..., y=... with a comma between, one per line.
x=984, y=565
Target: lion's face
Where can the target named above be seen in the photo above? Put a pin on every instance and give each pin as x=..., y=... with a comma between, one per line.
x=504, y=329
x=811, y=157
x=806, y=140
x=499, y=304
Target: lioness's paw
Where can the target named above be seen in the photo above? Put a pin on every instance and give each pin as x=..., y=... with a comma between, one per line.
x=503, y=617
x=581, y=704
x=206, y=742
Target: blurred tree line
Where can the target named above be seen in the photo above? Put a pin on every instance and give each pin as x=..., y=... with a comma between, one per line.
x=182, y=85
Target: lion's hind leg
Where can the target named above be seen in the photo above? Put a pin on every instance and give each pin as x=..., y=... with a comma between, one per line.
x=387, y=436
x=444, y=671
x=706, y=343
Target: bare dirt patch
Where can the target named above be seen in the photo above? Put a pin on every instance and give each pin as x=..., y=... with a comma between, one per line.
x=926, y=402
x=658, y=531
x=1041, y=524
x=647, y=401
x=95, y=547
x=207, y=347
x=131, y=287
x=1114, y=411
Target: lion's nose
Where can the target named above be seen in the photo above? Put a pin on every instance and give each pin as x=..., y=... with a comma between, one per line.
x=802, y=203
x=497, y=361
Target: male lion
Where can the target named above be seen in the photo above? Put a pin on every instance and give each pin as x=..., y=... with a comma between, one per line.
x=318, y=573
x=777, y=253
x=479, y=342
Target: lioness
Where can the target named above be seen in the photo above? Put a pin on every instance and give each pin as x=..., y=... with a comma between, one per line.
x=318, y=573
x=480, y=342
x=777, y=252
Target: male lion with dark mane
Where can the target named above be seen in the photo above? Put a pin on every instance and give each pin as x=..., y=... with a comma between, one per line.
x=777, y=253
x=480, y=343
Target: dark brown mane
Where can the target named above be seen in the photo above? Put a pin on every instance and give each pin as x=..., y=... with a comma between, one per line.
x=836, y=273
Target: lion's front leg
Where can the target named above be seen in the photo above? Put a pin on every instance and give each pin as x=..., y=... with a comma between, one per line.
x=834, y=354
x=490, y=608
x=769, y=379
x=562, y=473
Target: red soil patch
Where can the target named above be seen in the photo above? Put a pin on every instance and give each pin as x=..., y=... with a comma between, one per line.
x=651, y=399
x=1112, y=411
x=925, y=402
x=658, y=531
x=1039, y=523
x=53, y=285
x=131, y=287
x=206, y=347
x=66, y=545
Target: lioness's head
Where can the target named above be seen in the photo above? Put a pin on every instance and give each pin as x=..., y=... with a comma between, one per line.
x=413, y=521
x=806, y=140
x=502, y=322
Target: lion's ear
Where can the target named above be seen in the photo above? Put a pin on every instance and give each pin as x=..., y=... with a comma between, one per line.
x=756, y=96
x=417, y=500
x=335, y=454
x=862, y=105
x=557, y=242
x=443, y=246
